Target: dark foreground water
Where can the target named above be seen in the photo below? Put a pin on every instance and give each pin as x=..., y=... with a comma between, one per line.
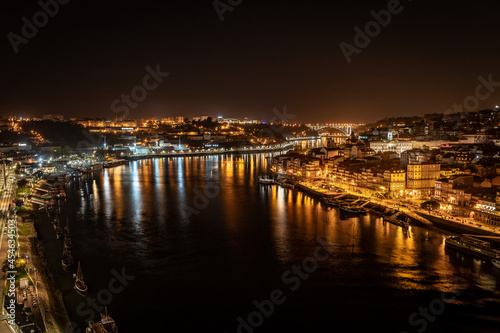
x=199, y=242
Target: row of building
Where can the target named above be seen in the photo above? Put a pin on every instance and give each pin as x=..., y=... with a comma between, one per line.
x=463, y=189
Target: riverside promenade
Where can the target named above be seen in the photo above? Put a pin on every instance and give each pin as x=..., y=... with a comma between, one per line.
x=319, y=188
x=50, y=312
x=316, y=190
x=220, y=151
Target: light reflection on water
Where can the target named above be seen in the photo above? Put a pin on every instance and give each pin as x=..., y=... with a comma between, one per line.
x=236, y=247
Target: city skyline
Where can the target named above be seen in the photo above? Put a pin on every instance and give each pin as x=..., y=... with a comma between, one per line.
x=414, y=58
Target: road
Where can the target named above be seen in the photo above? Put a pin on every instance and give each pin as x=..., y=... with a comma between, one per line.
x=8, y=194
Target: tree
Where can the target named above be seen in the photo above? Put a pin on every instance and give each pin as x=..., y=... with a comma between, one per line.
x=100, y=154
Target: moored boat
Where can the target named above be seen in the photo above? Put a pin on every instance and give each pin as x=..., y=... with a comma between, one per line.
x=79, y=283
x=67, y=238
x=67, y=243
x=350, y=209
x=286, y=184
x=330, y=202
x=496, y=262
x=473, y=246
x=59, y=232
x=67, y=259
x=265, y=180
x=107, y=324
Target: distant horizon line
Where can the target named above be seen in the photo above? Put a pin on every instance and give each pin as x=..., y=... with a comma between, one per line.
x=56, y=116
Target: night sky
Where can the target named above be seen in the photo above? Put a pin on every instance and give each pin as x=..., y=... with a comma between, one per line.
x=264, y=55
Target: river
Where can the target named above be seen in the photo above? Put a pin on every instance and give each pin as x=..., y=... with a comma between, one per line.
x=196, y=241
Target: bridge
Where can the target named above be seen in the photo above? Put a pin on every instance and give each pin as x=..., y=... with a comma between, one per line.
x=304, y=138
x=344, y=128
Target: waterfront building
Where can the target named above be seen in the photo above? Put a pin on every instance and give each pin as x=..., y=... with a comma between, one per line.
x=455, y=193
x=311, y=168
x=487, y=216
x=368, y=178
x=394, y=183
x=421, y=178
x=454, y=189
x=284, y=163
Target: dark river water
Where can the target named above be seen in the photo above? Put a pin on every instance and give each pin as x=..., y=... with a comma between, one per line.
x=204, y=248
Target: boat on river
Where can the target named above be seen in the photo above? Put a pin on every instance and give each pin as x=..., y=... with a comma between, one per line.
x=67, y=259
x=67, y=237
x=473, y=246
x=79, y=283
x=350, y=209
x=67, y=243
x=107, y=324
x=329, y=202
x=264, y=180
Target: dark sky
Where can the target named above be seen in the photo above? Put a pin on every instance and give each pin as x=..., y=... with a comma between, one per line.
x=264, y=55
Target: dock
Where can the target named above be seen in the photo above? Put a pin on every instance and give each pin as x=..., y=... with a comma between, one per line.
x=455, y=226
x=316, y=191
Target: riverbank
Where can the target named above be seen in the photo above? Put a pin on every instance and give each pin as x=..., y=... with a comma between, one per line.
x=132, y=223
x=316, y=192
x=221, y=151
x=460, y=227
x=51, y=311
x=417, y=216
x=52, y=307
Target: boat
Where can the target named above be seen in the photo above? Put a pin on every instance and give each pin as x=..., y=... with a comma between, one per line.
x=496, y=262
x=473, y=246
x=79, y=283
x=350, y=209
x=67, y=259
x=406, y=223
x=66, y=230
x=59, y=232
x=329, y=202
x=264, y=180
x=107, y=324
x=374, y=211
x=362, y=210
x=67, y=242
x=114, y=162
x=286, y=184
x=57, y=227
